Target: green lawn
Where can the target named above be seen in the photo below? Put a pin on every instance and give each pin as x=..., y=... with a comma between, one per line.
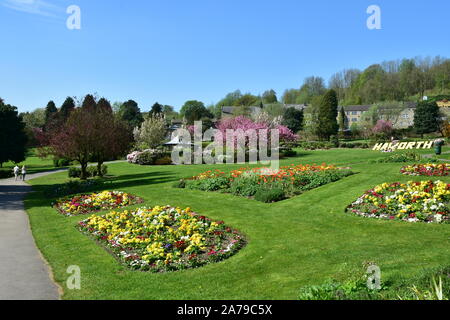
x=301, y=241
x=33, y=163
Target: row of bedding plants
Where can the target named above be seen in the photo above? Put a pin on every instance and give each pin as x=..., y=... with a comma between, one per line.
x=266, y=184
x=429, y=169
x=163, y=238
x=422, y=201
x=88, y=203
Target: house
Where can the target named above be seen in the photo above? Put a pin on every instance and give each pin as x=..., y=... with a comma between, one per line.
x=443, y=103
x=400, y=119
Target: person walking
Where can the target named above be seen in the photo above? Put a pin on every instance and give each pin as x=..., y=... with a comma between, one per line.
x=16, y=171
x=24, y=173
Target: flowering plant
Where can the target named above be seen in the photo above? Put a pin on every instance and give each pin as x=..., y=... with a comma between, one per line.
x=429, y=169
x=87, y=203
x=292, y=180
x=163, y=238
x=424, y=201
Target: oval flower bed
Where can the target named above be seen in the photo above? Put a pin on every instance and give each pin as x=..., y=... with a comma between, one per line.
x=424, y=201
x=289, y=181
x=163, y=238
x=88, y=203
x=429, y=169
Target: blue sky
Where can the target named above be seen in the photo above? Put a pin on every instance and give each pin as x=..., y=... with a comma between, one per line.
x=178, y=50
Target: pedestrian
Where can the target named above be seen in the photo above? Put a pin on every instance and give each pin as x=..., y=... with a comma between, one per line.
x=16, y=171
x=24, y=173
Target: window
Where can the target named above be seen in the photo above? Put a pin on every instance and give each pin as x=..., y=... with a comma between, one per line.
x=354, y=119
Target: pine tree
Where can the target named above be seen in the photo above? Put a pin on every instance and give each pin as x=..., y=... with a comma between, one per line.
x=327, y=116
x=89, y=102
x=343, y=121
x=104, y=105
x=130, y=112
x=426, y=117
x=50, y=111
x=67, y=107
x=156, y=109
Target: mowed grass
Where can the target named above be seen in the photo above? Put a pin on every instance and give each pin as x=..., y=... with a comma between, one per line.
x=33, y=163
x=301, y=241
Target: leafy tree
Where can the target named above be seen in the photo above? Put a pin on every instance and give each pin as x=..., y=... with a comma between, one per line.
x=327, y=115
x=269, y=96
x=426, y=117
x=130, y=112
x=34, y=120
x=12, y=135
x=156, y=109
x=88, y=134
x=247, y=100
x=194, y=110
x=293, y=119
x=152, y=132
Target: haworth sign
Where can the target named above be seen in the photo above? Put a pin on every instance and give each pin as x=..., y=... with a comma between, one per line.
x=403, y=146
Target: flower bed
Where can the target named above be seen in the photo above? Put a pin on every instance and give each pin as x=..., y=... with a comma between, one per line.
x=424, y=201
x=163, y=238
x=265, y=183
x=88, y=203
x=429, y=169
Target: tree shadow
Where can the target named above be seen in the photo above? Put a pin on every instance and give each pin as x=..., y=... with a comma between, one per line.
x=11, y=196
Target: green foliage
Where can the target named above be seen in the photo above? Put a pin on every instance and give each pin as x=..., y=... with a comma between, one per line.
x=401, y=157
x=50, y=110
x=194, y=110
x=213, y=184
x=426, y=117
x=5, y=173
x=129, y=111
x=293, y=119
x=327, y=116
x=270, y=195
x=59, y=163
x=73, y=187
x=150, y=157
x=92, y=171
x=180, y=184
x=67, y=107
x=13, y=138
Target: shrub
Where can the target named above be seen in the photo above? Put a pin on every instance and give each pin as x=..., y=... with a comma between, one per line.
x=335, y=141
x=5, y=174
x=213, y=184
x=181, y=184
x=92, y=171
x=59, y=163
x=245, y=186
x=270, y=195
x=74, y=172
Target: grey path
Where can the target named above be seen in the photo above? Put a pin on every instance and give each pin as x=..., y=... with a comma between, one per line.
x=23, y=273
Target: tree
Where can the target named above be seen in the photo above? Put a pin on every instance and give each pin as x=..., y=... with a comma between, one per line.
x=152, y=132
x=13, y=138
x=327, y=115
x=67, y=107
x=129, y=111
x=88, y=134
x=113, y=137
x=50, y=111
x=293, y=119
x=105, y=105
x=269, y=96
x=89, y=103
x=156, y=109
x=343, y=120
x=34, y=120
x=426, y=117
x=194, y=110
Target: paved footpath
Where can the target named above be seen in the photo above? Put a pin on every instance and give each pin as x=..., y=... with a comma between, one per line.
x=23, y=273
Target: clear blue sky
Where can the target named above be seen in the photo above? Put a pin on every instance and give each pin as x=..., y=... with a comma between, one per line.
x=178, y=50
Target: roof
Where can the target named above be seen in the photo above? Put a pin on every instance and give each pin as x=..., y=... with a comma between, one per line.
x=356, y=108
